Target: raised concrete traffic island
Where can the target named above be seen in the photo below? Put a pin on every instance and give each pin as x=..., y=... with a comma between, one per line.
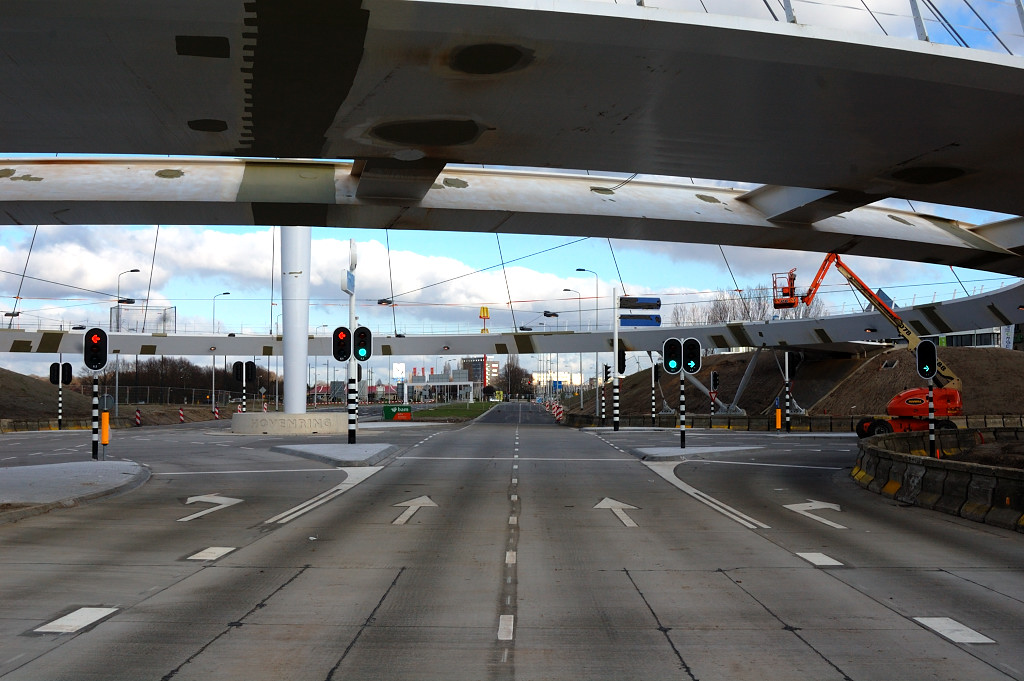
x=262, y=423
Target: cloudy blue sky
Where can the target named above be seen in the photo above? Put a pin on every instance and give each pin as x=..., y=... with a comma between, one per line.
x=438, y=280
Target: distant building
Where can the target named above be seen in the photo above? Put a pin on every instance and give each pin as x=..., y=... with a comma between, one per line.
x=481, y=369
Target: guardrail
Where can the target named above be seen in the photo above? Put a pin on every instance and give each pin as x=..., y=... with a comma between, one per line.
x=799, y=423
x=897, y=466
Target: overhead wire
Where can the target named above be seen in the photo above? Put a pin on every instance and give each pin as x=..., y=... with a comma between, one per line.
x=507, y=289
x=17, y=296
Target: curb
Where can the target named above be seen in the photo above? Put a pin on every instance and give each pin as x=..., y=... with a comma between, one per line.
x=892, y=466
x=138, y=478
x=382, y=452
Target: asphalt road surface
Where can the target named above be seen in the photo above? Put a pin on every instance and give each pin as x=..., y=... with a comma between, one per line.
x=509, y=548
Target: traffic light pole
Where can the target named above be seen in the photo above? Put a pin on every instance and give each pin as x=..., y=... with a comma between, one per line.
x=352, y=400
x=931, y=418
x=95, y=416
x=654, y=401
x=615, y=359
x=682, y=410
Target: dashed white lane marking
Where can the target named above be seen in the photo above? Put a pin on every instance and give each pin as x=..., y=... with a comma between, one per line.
x=820, y=560
x=515, y=481
x=510, y=558
x=506, y=627
x=513, y=520
x=212, y=553
x=515, y=497
x=951, y=629
x=72, y=622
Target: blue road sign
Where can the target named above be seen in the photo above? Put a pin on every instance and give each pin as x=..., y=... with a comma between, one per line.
x=632, y=303
x=640, y=320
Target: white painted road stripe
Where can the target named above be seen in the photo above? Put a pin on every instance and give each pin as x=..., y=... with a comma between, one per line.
x=212, y=553
x=79, y=619
x=820, y=559
x=666, y=469
x=281, y=470
x=505, y=458
x=355, y=476
x=506, y=627
x=510, y=558
x=952, y=630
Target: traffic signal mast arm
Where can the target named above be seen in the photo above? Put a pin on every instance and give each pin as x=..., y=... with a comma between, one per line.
x=944, y=376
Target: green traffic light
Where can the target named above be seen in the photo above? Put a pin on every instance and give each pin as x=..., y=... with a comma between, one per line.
x=362, y=352
x=671, y=364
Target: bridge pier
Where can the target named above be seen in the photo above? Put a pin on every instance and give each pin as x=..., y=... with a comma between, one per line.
x=295, y=262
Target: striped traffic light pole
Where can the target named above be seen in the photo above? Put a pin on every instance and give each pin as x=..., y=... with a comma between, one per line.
x=95, y=416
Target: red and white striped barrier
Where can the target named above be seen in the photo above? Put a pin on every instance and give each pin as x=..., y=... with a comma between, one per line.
x=181, y=415
x=558, y=412
x=264, y=407
x=216, y=413
x=138, y=417
x=239, y=408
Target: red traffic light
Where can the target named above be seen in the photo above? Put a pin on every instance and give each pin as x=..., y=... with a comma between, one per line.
x=95, y=354
x=342, y=345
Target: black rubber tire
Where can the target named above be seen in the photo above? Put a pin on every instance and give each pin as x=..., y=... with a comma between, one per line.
x=879, y=427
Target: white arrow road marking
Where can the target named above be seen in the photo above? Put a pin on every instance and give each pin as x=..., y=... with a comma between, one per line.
x=215, y=498
x=413, y=506
x=666, y=469
x=813, y=505
x=619, y=509
x=356, y=475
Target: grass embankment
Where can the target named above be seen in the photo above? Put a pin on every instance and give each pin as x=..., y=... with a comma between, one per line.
x=461, y=411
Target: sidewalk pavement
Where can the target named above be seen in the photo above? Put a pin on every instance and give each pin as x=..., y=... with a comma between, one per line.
x=31, y=490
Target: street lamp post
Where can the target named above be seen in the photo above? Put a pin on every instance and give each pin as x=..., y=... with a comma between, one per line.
x=117, y=361
x=579, y=308
x=597, y=367
x=119, y=296
x=213, y=358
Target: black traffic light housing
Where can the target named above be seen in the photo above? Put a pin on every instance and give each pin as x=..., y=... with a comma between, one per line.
x=248, y=367
x=95, y=353
x=60, y=373
x=714, y=380
x=621, y=364
x=672, y=355
x=607, y=373
x=926, y=359
x=342, y=344
x=657, y=372
x=362, y=344
x=691, y=355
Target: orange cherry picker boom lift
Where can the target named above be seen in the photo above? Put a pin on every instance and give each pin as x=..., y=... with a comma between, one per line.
x=908, y=410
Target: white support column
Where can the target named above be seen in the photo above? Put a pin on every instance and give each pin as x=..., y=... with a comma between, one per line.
x=295, y=262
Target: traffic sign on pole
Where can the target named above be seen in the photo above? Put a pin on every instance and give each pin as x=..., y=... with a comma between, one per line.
x=633, y=303
x=640, y=320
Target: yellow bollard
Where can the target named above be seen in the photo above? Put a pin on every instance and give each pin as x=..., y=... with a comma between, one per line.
x=778, y=419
